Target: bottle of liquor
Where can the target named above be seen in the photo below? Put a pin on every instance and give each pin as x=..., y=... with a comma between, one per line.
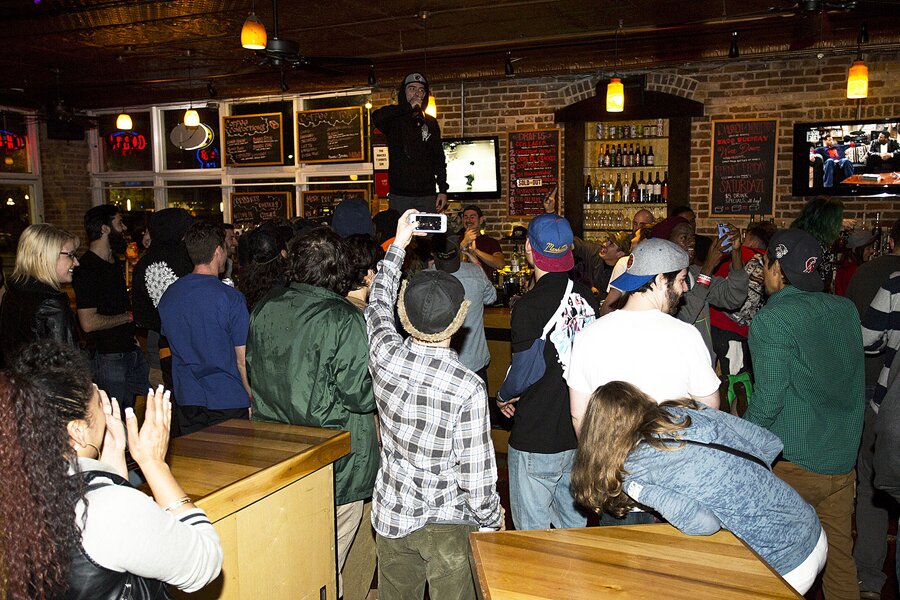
x=600, y=157
x=665, y=188
x=606, y=156
x=610, y=190
x=600, y=130
x=642, y=189
x=588, y=190
x=632, y=156
x=612, y=156
x=596, y=196
x=657, y=188
x=659, y=127
x=617, y=190
x=633, y=191
x=601, y=190
x=620, y=156
x=876, y=233
x=626, y=189
x=638, y=156
x=650, y=158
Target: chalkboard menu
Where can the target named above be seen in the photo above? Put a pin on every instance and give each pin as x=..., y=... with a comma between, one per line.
x=252, y=140
x=331, y=135
x=249, y=209
x=321, y=203
x=533, y=169
x=743, y=167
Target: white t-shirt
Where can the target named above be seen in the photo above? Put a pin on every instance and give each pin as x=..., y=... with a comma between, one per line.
x=666, y=359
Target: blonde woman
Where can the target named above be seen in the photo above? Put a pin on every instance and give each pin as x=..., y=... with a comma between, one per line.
x=702, y=470
x=34, y=306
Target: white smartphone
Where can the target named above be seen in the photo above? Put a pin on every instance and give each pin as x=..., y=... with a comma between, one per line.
x=429, y=223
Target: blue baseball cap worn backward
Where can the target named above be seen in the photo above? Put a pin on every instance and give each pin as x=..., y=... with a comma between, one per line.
x=551, y=240
x=649, y=259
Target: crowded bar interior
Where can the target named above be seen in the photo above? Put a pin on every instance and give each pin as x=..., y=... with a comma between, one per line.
x=530, y=298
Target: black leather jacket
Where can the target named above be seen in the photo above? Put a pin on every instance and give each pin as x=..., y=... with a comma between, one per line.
x=31, y=311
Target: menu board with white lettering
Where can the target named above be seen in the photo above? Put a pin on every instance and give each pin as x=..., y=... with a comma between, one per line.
x=743, y=167
x=252, y=140
x=249, y=209
x=533, y=161
x=321, y=203
x=331, y=135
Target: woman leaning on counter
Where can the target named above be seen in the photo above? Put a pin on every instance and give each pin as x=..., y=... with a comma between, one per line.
x=34, y=307
x=71, y=526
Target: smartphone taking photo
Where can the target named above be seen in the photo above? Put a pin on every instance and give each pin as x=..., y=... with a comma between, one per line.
x=723, y=233
x=428, y=223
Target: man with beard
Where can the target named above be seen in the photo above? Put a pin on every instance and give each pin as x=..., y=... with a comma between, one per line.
x=104, y=309
x=417, y=163
x=672, y=360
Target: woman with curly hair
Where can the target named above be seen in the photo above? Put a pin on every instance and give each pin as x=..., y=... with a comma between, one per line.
x=700, y=469
x=71, y=527
x=265, y=266
x=34, y=307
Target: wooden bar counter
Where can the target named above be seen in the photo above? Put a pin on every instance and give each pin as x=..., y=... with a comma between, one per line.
x=636, y=561
x=496, y=330
x=268, y=488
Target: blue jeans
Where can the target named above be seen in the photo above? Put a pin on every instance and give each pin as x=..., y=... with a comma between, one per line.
x=843, y=165
x=122, y=375
x=540, y=493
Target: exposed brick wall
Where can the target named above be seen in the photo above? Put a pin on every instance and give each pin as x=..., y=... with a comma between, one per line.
x=65, y=167
x=792, y=91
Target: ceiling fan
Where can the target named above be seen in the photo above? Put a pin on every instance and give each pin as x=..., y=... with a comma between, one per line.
x=285, y=54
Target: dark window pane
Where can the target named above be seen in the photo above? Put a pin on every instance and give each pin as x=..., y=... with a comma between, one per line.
x=13, y=143
x=192, y=147
x=126, y=150
x=202, y=202
x=14, y=218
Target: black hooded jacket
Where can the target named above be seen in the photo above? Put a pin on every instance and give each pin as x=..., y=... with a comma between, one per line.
x=165, y=261
x=414, y=143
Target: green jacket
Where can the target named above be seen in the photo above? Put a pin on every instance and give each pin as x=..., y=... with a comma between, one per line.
x=307, y=359
x=809, y=384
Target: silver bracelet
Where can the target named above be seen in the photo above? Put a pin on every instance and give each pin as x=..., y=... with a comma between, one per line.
x=177, y=503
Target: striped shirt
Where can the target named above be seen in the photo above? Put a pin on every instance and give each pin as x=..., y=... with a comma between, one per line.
x=437, y=458
x=881, y=330
x=809, y=382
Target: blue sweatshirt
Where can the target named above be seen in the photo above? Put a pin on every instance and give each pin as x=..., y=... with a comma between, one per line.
x=700, y=489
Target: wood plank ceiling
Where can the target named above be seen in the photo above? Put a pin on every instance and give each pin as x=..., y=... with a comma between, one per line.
x=105, y=53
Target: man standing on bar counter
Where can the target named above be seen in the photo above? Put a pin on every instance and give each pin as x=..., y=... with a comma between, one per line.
x=417, y=163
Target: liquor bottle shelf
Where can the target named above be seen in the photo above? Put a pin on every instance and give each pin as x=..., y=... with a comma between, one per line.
x=601, y=205
x=628, y=139
x=638, y=167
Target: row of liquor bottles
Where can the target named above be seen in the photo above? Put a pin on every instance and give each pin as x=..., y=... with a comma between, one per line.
x=624, y=131
x=637, y=190
x=620, y=155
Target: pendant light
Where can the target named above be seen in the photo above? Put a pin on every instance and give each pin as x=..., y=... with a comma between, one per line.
x=858, y=76
x=253, y=33
x=431, y=108
x=191, y=116
x=615, y=91
x=733, y=50
x=123, y=121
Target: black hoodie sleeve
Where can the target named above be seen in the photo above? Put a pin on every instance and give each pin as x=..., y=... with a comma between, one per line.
x=385, y=117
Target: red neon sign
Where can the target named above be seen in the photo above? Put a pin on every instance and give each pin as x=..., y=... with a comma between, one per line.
x=126, y=143
x=10, y=141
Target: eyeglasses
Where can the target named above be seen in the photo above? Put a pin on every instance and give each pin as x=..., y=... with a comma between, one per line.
x=71, y=255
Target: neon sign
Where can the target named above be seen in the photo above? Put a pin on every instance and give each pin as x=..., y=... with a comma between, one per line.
x=10, y=141
x=208, y=158
x=126, y=143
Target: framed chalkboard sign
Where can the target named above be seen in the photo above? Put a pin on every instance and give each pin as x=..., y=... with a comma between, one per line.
x=331, y=135
x=321, y=203
x=533, y=169
x=743, y=167
x=249, y=209
x=252, y=140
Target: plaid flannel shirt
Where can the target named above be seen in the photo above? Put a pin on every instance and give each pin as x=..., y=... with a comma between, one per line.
x=437, y=458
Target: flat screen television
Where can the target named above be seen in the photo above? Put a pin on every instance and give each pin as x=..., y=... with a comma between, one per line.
x=473, y=167
x=848, y=164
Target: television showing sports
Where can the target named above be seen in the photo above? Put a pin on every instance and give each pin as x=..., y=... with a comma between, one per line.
x=846, y=158
x=473, y=167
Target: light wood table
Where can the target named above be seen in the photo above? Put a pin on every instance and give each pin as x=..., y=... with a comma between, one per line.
x=268, y=488
x=636, y=561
